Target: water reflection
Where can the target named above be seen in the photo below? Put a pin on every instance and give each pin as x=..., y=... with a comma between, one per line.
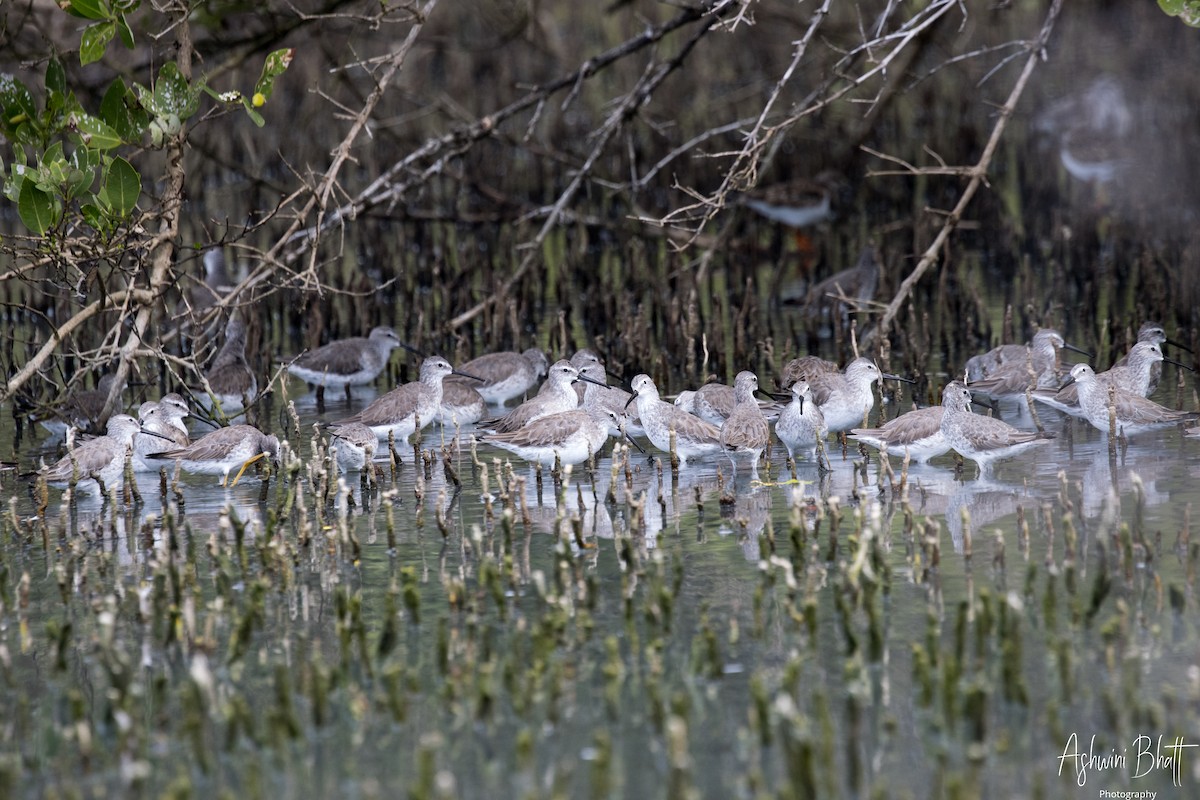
x=737, y=569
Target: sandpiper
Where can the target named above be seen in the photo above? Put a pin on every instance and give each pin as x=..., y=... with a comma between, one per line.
x=849, y=290
x=917, y=433
x=1008, y=369
x=713, y=402
x=399, y=411
x=101, y=459
x=570, y=437
x=846, y=398
x=1108, y=407
x=979, y=438
x=352, y=446
x=505, y=375
x=461, y=405
x=217, y=453
x=598, y=393
x=347, y=362
x=1132, y=374
x=230, y=380
x=693, y=436
x=1153, y=332
x=805, y=367
x=162, y=429
x=798, y=203
x=82, y=409
x=558, y=395
x=1010, y=375
x=580, y=360
x=745, y=431
x=801, y=424
x=217, y=282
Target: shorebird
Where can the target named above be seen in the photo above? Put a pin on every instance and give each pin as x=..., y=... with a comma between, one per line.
x=1093, y=127
x=979, y=438
x=217, y=453
x=162, y=429
x=82, y=409
x=217, y=282
x=846, y=398
x=917, y=433
x=101, y=459
x=799, y=203
x=712, y=402
x=693, y=436
x=347, y=362
x=806, y=367
x=580, y=360
x=506, y=375
x=598, y=393
x=556, y=396
x=570, y=437
x=1009, y=368
x=1132, y=374
x=1108, y=406
x=849, y=290
x=230, y=380
x=745, y=432
x=352, y=446
x=1153, y=332
x=461, y=405
x=801, y=424
x=399, y=411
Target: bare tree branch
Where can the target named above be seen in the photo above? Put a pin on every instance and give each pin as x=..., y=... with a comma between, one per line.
x=978, y=176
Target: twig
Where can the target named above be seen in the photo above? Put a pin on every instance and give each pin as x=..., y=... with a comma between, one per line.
x=978, y=176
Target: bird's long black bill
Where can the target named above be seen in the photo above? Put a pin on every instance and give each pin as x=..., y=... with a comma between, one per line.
x=1074, y=349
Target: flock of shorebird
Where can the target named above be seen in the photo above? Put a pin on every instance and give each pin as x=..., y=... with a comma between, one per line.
x=573, y=413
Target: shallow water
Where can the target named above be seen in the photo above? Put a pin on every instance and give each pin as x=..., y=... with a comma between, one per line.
x=626, y=632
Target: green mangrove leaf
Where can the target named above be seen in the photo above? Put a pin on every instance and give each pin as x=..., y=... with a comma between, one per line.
x=173, y=95
x=122, y=186
x=56, y=77
x=94, y=41
x=94, y=216
x=95, y=133
x=36, y=207
x=121, y=111
x=276, y=64
x=124, y=31
x=255, y=117
x=87, y=9
x=16, y=104
x=1188, y=11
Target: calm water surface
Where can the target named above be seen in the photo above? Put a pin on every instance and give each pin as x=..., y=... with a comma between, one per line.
x=628, y=634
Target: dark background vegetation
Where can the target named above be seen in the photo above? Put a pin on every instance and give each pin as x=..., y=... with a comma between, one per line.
x=452, y=250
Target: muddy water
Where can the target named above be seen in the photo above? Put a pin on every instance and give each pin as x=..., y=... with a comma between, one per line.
x=834, y=635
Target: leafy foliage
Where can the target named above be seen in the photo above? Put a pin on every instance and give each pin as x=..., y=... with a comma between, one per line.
x=1188, y=11
x=65, y=168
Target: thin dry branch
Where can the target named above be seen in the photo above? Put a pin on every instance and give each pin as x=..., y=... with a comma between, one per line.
x=978, y=176
x=388, y=187
x=743, y=171
x=626, y=110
